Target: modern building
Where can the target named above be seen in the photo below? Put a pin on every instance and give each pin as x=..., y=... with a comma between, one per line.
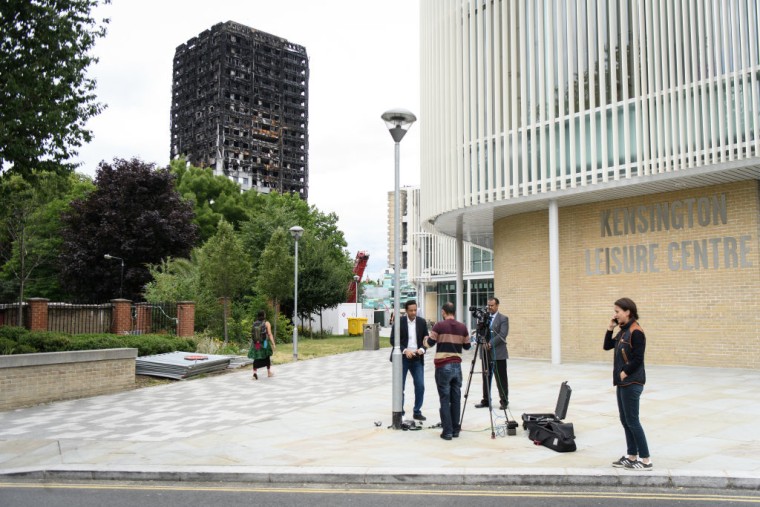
x=601, y=149
x=404, y=234
x=429, y=261
x=240, y=101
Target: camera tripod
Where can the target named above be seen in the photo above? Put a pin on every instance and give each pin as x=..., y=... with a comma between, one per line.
x=480, y=353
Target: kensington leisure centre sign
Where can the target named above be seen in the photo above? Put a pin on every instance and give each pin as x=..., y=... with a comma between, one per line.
x=713, y=253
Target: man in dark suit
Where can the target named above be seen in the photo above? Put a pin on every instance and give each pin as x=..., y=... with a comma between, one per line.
x=496, y=356
x=413, y=331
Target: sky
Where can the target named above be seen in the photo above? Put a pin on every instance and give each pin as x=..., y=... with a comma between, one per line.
x=363, y=61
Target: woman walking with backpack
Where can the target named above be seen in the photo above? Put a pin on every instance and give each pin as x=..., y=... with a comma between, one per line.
x=262, y=345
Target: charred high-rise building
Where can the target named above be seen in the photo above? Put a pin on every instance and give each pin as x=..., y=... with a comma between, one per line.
x=240, y=102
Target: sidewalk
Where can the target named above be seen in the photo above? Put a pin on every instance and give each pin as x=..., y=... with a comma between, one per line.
x=315, y=421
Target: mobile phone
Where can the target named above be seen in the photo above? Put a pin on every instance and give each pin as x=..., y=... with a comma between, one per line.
x=615, y=320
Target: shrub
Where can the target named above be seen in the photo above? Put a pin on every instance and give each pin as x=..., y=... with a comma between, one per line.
x=45, y=341
x=146, y=345
x=12, y=333
x=8, y=347
x=21, y=341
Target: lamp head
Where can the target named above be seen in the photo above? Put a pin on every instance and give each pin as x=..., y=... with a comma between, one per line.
x=356, y=278
x=296, y=232
x=398, y=122
x=107, y=257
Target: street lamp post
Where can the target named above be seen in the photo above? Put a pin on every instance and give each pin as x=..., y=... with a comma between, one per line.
x=356, y=293
x=296, y=232
x=121, y=277
x=398, y=122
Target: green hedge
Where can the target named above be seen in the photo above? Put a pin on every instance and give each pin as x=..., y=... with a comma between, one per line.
x=17, y=340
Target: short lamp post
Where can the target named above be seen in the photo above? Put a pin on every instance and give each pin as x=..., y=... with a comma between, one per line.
x=296, y=232
x=356, y=293
x=121, y=277
x=398, y=122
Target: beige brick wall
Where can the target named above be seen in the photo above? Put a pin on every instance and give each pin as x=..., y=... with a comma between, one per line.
x=22, y=386
x=700, y=317
x=521, y=281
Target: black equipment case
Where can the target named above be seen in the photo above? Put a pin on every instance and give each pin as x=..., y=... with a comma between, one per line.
x=560, y=411
x=548, y=429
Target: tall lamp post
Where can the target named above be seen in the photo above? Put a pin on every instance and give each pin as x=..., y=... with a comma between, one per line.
x=398, y=122
x=121, y=278
x=296, y=232
x=356, y=293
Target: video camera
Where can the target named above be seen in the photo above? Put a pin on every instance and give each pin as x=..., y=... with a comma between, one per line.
x=481, y=316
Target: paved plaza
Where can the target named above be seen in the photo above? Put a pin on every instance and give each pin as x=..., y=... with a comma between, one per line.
x=326, y=420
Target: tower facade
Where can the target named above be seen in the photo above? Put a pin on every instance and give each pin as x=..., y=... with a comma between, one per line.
x=240, y=101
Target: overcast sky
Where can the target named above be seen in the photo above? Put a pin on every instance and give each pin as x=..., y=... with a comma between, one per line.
x=363, y=60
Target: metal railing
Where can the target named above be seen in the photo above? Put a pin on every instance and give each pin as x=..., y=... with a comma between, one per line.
x=85, y=318
x=74, y=318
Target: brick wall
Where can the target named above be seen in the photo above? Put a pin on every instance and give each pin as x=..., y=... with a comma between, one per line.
x=693, y=313
x=31, y=379
x=521, y=282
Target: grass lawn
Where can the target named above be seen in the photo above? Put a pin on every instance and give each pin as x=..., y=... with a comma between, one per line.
x=309, y=348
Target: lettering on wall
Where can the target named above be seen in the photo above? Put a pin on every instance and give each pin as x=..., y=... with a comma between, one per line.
x=718, y=252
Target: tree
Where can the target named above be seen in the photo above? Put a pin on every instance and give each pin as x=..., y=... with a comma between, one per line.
x=134, y=213
x=46, y=97
x=30, y=231
x=173, y=280
x=224, y=269
x=213, y=197
x=322, y=275
x=267, y=212
x=275, y=278
x=330, y=265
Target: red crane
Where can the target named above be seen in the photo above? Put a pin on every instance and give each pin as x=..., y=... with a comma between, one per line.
x=359, y=265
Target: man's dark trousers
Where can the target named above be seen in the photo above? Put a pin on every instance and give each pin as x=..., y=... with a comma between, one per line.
x=502, y=382
x=417, y=368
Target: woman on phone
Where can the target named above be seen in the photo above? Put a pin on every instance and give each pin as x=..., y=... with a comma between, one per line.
x=629, y=376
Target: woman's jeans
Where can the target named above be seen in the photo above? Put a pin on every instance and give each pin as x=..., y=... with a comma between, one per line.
x=628, y=407
x=448, y=378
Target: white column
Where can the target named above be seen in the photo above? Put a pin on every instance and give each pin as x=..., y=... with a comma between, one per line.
x=460, y=274
x=554, y=281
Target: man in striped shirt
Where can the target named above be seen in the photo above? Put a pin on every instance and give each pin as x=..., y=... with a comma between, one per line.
x=450, y=337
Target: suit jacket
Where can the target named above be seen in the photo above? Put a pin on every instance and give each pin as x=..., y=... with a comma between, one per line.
x=499, y=332
x=422, y=332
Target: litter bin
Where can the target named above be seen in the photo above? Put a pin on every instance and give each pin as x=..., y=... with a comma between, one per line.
x=371, y=336
x=355, y=325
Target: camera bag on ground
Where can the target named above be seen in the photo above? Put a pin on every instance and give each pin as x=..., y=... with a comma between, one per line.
x=557, y=436
x=548, y=429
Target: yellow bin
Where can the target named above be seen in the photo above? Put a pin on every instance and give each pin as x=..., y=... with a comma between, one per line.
x=356, y=325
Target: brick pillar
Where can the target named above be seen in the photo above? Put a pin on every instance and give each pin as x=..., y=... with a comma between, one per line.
x=144, y=317
x=121, y=318
x=38, y=314
x=185, y=318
